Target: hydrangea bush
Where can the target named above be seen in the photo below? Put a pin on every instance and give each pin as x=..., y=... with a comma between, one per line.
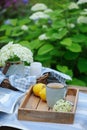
x=57, y=37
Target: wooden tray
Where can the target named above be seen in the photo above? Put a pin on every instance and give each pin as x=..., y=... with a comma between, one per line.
x=34, y=109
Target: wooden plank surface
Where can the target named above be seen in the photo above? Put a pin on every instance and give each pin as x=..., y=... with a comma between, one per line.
x=42, y=106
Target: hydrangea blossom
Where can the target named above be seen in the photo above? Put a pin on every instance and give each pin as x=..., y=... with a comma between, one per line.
x=82, y=19
x=43, y=37
x=63, y=106
x=38, y=15
x=44, y=26
x=84, y=12
x=73, y=5
x=71, y=25
x=38, y=6
x=82, y=1
x=24, y=27
x=48, y=10
x=10, y=51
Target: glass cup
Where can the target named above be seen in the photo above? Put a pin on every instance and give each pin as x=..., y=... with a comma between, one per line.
x=35, y=69
x=54, y=92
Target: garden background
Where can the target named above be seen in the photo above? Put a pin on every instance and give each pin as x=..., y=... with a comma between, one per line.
x=57, y=35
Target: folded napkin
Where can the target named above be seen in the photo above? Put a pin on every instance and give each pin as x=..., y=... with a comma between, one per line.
x=23, y=83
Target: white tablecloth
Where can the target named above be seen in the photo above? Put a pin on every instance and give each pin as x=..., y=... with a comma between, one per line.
x=80, y=120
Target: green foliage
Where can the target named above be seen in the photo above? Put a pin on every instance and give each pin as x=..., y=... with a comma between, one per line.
x=45, y=49
x=64, y=45
x=82, y=65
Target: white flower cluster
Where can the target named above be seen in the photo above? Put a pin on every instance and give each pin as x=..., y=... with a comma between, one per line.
x=24, y=27
x=62, y=106
x=82, y=19
x=71, y=25
x=84, y=12
x=82, y=1
x=73, y=5
x=48, y=10
x=11, y=50
x=43, y=37
x=39, y=15
x=41, y=11
x=39, y=6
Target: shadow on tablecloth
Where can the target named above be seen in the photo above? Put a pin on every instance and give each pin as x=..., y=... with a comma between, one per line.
x=8, y=128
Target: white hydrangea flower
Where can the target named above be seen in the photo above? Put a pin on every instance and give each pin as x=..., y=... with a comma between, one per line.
x=73, y=5
x=24, y=27
x=82, y=1
x=44, y=26
x=11, y=50
x=82, y=19
x=43, y=37
x=48, y=10
x=84, y=12
x=38, y=15
x=39, y=6
x=62, y=106
x=71, y=25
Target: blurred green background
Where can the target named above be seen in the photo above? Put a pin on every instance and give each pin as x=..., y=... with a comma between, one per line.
x=66, y=45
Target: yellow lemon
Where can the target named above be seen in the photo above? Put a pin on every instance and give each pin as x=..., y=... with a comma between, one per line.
x=37, y=88
x=43, y=94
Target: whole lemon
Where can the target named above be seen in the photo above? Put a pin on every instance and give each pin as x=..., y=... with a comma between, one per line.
x=37, y=88
x=43, y=94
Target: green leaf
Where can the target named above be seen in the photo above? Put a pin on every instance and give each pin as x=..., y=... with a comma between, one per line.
x=62, y=33
x=42, y=58
x=57, y=53
x=70, y=55
x=25, y=43
x=64, y=69
x=66, y=42
x=82, y=65
x=58, y=24
x=9, y=31
x=45, y=49
x=79, y=38
x=17, y=34
x=24, y=21
x=2, y=32
x=74, y=48
x=5, y=39
x=34, y=34
x=83, y=28
x=13, y=21
x=52, y=34
x=55, y=14
x=77, y=82
x=35, y=44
